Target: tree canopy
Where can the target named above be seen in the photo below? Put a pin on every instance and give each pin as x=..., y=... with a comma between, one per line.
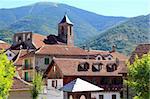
x=7, y=72
x=37, y=85
x=139, y=77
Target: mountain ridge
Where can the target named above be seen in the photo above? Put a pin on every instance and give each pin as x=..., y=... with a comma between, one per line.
x=43, y=18
x=126, y=36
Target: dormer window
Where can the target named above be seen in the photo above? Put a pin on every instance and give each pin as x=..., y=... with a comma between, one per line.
x=96, y=67
x=99, y=57
x=114, y=66
x=83, y=66
x=108, y=57
x=111, y=67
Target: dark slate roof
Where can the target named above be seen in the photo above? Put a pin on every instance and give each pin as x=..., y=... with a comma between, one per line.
x=52, y=39
x=66, y=20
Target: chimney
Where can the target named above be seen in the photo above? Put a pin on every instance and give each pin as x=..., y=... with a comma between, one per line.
x=113, y=49
x=21, y=47
x=84, y=47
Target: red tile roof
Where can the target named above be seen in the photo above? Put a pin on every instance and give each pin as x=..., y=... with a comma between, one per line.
x=61, y=50
x=19, y=59
x=37, y=40
x=4, y=45
x=114, y=54
x=140, y=50
x=20, y=84
x=69, y=67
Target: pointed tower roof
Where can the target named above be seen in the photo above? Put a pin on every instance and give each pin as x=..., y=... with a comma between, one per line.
x=66, y=20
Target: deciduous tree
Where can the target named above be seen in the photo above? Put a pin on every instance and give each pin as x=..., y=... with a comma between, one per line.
x=7, y=72
x=37, y=85
x=139, y=77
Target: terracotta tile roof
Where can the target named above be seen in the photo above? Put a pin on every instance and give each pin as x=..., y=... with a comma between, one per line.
x=69, y=67
x=140, y=50
x=61, y=50
x=37, y=40
x=19, y=59
x=114, y=54
x=4, y=45
x=20, y=84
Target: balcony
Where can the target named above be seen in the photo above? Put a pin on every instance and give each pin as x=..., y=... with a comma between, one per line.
x=28, y=79
x=112, y=87
x=27, y=67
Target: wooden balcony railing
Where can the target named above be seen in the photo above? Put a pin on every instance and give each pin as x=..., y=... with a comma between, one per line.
x=112, y=87
x=27, y=67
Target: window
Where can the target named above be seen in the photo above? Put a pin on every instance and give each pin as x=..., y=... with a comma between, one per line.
x=10, y=55
x=46, y=61
x=19, y=39
x=26, y=63
x=83, y=66
x=70, y=97
x=82, y=97
x=28, y=37
x=114, y=66
x=104, y=81
x=70, y=30
x=96, y=67
x=16, y=38
x=54, y=83
x=101, y=96
x=54, y=69
x=24, y=37
x=26, y=76
x=111, y=67
x=113, y=96
x=99, y=57
x=62, y=30
x=109, y=57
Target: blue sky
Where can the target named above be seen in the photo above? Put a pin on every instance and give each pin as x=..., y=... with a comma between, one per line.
x=128, y=8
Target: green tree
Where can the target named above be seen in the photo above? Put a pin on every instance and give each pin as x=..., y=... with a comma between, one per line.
x=139, y=78
x=37, y=85
x=7, y=72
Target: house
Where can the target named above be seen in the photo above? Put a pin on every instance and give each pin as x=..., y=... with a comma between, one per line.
x=103, y=73
x=140, y=50
x=12, y=54
x=20, y=89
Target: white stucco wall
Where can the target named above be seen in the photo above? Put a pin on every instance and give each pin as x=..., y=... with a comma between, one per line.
x=107, y=95
x=10, y=57
x=52, y=92
x=40, y=61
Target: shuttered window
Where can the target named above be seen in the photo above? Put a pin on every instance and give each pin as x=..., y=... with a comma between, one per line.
x=46, y=61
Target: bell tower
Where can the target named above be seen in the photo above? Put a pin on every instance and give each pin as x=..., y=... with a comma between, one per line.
x=65, y=31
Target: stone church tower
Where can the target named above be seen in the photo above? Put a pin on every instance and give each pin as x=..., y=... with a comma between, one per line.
x=65, y=31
